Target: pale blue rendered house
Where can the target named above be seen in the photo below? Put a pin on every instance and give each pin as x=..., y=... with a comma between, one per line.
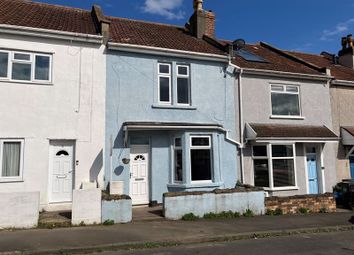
x=170, y=113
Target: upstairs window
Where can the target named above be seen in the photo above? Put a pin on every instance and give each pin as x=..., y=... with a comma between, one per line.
x=285, y=100
x=183, y=85
x=23, y=66
x=164, y=76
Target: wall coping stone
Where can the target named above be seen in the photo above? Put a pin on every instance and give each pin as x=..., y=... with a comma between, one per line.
x=216, y=191
x=297, y=197
x=108, y=197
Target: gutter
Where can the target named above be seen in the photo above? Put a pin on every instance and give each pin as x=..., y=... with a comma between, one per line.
x=52, y=34
x=343, y=82
x=286, y=74
x=166, y=52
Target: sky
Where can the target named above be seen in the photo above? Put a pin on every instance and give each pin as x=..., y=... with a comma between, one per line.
x=301, y=25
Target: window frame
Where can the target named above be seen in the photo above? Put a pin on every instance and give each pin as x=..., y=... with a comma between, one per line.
x=209, y=147
x=164, y=75
x=184, y=76
x=270, y=158
x=284, y=91
x=175, y=149
x=8, y=64
x=32, y=62
x=12, y=178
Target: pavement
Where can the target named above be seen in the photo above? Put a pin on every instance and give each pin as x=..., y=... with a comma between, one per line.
x=152, y=234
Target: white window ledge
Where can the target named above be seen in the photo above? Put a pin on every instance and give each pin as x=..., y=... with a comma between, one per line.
x=11, y=180
x=27, y=82
x=174, y=107
x=281, y=189
x=287, y=117
x=196, y=185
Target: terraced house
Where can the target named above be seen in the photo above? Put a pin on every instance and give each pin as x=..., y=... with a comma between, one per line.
x=141, y=108
x=52, y=87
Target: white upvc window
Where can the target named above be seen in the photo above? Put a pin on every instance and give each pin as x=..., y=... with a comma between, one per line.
x=274, y=166
x=285, y=100
x=183, y=85
x=164, y=80
x=11, y=159
x=25, y=66
x=178, y=160
x=201, y=159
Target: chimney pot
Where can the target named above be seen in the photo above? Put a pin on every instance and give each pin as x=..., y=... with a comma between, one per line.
x=198, y=5
x=346, y=55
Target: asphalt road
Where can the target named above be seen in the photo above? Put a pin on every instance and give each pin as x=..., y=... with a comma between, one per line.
x=327, y=244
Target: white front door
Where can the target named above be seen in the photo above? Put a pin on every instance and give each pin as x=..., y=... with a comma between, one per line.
x=139, y=174
x=61, y=171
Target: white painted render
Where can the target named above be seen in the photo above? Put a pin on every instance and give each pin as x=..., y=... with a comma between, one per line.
x=70, y=108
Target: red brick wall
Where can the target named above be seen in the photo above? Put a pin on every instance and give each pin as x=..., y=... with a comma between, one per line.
x=291, y=205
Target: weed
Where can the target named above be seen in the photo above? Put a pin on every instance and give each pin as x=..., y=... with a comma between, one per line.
x=323, y=210
x=108, y=222
x=278, y=212
x=190, y=217
x=248, y=213
x=303, y=210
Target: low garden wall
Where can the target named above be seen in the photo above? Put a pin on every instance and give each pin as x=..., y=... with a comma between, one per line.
x=116, y=208
x=19, y=210
x=178, y=204
x=301, y=204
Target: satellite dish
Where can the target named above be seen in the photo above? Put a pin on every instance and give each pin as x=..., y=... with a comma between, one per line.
x=238, y=44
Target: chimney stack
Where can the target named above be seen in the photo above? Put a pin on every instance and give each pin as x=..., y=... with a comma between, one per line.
x=202, y=22
x=346, y=54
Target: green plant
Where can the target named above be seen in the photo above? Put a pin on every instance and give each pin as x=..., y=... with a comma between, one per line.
x=237, y=215
x=190, y=217
x=303, y=210
x=238, y=184
x=226, y=215
x=248, y=213
x=210, y=216
x=278, y=212
x=323, y=210
x=270, y=212
x=108, y=222
x=82, y=224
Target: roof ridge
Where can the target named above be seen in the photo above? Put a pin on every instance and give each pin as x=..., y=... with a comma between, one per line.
x=145, y=22
x=53, y=5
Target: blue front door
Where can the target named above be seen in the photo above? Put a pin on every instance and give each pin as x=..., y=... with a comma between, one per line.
x=352, y=166
x=312, y=173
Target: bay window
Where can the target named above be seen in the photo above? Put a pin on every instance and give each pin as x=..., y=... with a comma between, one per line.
x=25, y=66
x=178, y=160
x=285, y=100
x=11, y=152
x=200, y=153
x=274, y=165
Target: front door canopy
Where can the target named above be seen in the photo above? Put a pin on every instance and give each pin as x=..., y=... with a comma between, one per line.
x=295, y=133
x=347, y=134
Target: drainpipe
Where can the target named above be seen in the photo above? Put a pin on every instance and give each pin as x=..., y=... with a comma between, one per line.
x=241, y=126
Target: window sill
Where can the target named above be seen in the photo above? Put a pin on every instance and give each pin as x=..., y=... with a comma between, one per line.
x=196, y=185
x=282, y=189
x=28, y=82
x=287, y=117
x=174, y=107
x=11, y=180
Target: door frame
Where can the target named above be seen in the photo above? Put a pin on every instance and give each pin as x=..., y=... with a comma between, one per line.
x=319, y=169
x=148, y=149
x=50, y=166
